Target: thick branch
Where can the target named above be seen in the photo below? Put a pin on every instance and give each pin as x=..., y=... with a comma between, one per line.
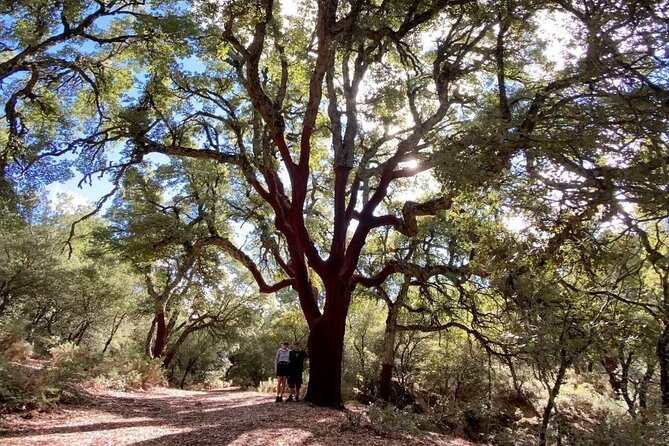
x=421, y=273
x=239, y=255
x=408, y=224
x=483, y=340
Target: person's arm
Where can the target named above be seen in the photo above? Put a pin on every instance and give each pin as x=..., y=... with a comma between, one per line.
x=276, y=362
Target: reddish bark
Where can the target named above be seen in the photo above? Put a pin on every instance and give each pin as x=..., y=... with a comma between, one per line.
x=326, y=348
x=161, y=335
x=610, y=365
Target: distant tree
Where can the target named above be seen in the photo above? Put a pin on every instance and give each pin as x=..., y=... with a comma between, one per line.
x=28, y=262
x=167, y=240
x=632, y=267
x=654, y=293
x=82, y=299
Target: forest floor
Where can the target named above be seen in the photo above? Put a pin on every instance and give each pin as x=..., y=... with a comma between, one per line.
x=215, y=417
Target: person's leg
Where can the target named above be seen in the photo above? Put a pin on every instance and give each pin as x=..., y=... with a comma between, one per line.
x=283, y=386
x=298, y=385
x=280, y=387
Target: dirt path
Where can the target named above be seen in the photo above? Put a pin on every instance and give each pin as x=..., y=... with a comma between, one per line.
x=217, y=417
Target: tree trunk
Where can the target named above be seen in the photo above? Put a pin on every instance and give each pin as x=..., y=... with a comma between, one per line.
x=161, y=334
x=663, y=357
x=79, y=336
x=148, y=350
x=115, y=326
x=548, y=410
x=610, y=365
x=517, y=384
x=643, y=388
x=625, y=363
x=385, y=378
x=4, y=303
x=191, y=363
x=388, y=359
x=326, y=348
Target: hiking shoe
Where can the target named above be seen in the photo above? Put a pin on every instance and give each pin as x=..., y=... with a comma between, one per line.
x=279, y=399
x=290, y=398
x=297, y=398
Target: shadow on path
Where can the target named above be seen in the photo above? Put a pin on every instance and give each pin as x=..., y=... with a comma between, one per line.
x=219, y=417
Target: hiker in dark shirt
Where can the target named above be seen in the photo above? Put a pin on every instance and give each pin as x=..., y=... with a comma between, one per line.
x=297, y=357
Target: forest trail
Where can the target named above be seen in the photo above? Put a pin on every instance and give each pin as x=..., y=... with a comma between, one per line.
x=215, y=417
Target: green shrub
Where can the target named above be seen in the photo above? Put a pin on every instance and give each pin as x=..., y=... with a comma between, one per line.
x=73, y=363
x=67, y=351
x=215, y=380
x=13, y=347
x=516, y=436
x=609, y=429
x=111, y=379
x=151, y=373
x=268, y=386
x=132, y=374
x=385, y=420
x=24, y=388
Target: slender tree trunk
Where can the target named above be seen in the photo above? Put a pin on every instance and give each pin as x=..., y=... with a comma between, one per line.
x=326, y=348
x=149, y=337
x=359, y=347
x=115, y=326
x=388, y=360
x=191, y=363
x=610, y=365
x=663, y=359
x=172, y=351
x=386, y=375
x=169, y=356
x=4, y=303
x=625, y=362
x=80, y=336
x=517, y=384
x=643, y=389
x=548, y=410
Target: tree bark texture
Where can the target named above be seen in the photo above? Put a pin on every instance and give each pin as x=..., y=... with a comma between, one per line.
x=115, y=326
x=161, y=334
x=550, y=404
x=663, y=359
x=388, y=360
x=326, y=349
x=643, y=388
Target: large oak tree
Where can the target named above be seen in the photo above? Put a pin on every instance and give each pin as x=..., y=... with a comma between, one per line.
x=326, y=116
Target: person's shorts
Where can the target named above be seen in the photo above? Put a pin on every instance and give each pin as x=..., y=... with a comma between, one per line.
x=294, y=380
x=283, y=369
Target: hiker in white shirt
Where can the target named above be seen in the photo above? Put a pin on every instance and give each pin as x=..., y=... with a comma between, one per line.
x=282, y=364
